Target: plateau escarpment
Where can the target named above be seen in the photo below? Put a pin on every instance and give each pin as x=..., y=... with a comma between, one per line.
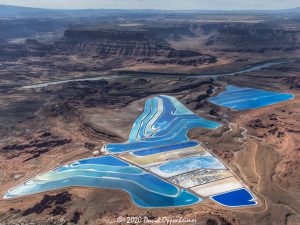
x=143, y=45
x=30, y=48
x=113, y=46
x=251, y=37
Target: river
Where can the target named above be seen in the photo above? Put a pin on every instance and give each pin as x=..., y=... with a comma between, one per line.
x=254, y=67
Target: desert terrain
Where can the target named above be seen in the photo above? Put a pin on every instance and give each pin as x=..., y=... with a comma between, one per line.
x=48, y=118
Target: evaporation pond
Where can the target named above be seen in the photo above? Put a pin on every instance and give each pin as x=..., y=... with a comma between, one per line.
x=145, y=189
x=238, y=98
x=236, y=198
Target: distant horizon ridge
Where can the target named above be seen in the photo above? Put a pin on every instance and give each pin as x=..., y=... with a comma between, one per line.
x=137, y=9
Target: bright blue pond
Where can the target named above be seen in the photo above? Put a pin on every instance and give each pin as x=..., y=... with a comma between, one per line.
x=145, y=189
x=237, y=198
x=178, y=136
x=162, y=127
x=136, y=125
x=180, y=129
x=169, y=120
x=192, y=163
x=171, y=113
x=156, y=150
x=140, y=195
x=116, y=169
x=142, y=129
x=105, y=160
x=170, y=126
x=248, y=98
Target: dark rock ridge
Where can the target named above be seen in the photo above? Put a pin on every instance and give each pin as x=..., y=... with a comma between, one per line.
x=48, y=201
x=88, y=129
x=198, y=102
x=58, y=210
x=76, y=217
x=118, y=94
x=271, y=125
x=190, y=61
x=30, y=47
x=106, y=43
x=109, y=34
x=141, y=45
x=148, y=45
x=250, y=37
x=33, y=148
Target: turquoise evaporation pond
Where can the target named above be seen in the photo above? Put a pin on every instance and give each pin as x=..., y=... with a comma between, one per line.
x=156, y=150
x=165, y=121
x=192, y=163
x=145, y=189
x=163, y=127
x=248, y=98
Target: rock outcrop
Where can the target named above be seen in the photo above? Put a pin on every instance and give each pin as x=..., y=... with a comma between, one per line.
x=31, y=47
x=34, y=148
x=144, y=45
x=48, y=201
x=256, y=38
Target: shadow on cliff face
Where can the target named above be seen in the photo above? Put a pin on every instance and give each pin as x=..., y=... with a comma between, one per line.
x=50, y=201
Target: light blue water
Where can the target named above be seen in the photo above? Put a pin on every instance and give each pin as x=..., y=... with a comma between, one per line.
x=179, y=128
x=139, y=195
x=192, y=163
x=170, y=127
x=146, y=180
x=167, y=123
x=137, y=123
x=145, y=189
x=248, y=98
x=237, y=198
x=115, y=169
x=150, y=124
x=156, y=150
x=178, y=136
x=153, y=111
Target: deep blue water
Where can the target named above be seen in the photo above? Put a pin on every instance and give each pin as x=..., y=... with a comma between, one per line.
x=248, y=98
x=104, y=160
x=237, y=198
x=156, y=150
